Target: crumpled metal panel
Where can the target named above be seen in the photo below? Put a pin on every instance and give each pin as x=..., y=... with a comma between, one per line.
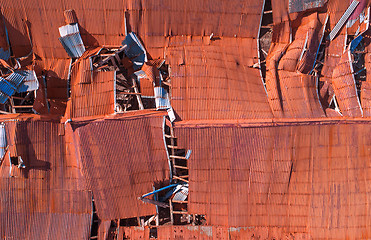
x=288, y=174
x=344, y=86
x=92, y=93
x=135, y=50
x=48, y=193
x=161, y=98
x=122, y=158
x=302, y=5
x=29, y=83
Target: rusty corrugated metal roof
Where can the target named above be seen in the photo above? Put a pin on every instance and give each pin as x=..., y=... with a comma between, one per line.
x=122, y=158
x=216, y=80
x=305, y=177
x=344, y=86
x=47, y=194
x=92, y=93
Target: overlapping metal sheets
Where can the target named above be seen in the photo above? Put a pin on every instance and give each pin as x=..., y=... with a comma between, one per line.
x=286, y=174
x=122, y=158
x=45, y=195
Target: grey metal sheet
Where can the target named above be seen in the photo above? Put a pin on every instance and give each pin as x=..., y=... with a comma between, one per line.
x=343, y=19
x=73, y=45
x=29, y=83
x=302, y=5
x=3, y=143
x=161, y=98
x=135, y=50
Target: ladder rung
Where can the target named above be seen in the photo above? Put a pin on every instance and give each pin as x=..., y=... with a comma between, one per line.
x=175, y=201
x=179, y=212
x=169, y=136
x=267, y=12
x=178, y=157
x=181, y=179
x=130, y=93
x=269, y=27
x=95, y=237
x=182, y=167
x=174, y=147
x=184, y=176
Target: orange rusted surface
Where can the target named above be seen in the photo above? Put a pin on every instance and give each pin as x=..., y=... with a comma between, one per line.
x=310, y=178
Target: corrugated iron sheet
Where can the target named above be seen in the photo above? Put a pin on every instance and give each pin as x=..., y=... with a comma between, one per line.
x=92, y=93
x=122, y=158
x=70, y=16
x=366, y=85
x=306, y=177
x=44, y=196
x=290, y=92
x=209, y=233
x=3, y=143
x=302, y=5
x=161, y=98
x=216, y=80
x=344, y=86
x=29, y=83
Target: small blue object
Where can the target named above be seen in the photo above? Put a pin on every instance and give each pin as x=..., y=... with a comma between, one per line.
x=355, y=43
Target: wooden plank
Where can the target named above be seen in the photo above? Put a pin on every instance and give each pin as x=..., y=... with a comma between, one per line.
x=176, y=201
x=179, y=212
x=181, y=167
x=169, y=136
x=178, y=157
x=181, y=179
x=174, y=147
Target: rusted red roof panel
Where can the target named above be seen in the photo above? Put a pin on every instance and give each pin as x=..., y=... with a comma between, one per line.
x=49, y=192
x=305, y=177
x=215, y=80
x=122, y=158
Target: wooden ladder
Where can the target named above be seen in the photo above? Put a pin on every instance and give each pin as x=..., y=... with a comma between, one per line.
x=179, y=169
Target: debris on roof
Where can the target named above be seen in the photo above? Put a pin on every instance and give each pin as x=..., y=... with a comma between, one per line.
x=302, y=5
x=71, y=40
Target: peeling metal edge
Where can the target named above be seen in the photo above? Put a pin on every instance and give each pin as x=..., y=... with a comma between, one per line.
x=258, y=50
x=354, y=80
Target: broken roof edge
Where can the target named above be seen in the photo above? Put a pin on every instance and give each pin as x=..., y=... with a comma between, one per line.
x=30, y=116
x=272, y=122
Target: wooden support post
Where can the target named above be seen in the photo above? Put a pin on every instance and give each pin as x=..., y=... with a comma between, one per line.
x=138, y=96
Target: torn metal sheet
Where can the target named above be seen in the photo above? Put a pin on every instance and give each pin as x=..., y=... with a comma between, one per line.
x=135, y=50
x=161, y=98
x=181, y=192
x=29, y=83
x=71, y=40
x=302, y=5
